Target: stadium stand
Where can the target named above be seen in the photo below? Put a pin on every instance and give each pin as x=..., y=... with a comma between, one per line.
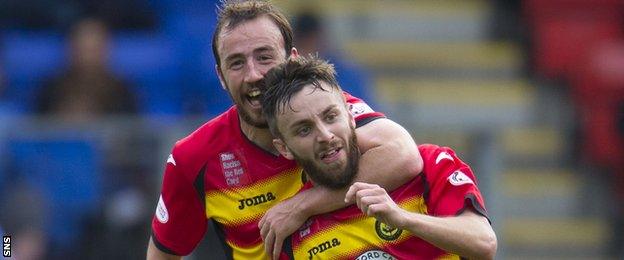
x=66, y=168
x=150, y=62
x=29, y=57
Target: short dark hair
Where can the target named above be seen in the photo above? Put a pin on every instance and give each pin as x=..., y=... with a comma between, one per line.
x=231, y=13
x=288, y=79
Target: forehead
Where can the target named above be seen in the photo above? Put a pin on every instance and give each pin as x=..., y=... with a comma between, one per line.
x=250, y=34
x=310, y=102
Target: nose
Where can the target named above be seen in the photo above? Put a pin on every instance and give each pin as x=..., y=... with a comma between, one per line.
x=324, y=134
x=253, y=73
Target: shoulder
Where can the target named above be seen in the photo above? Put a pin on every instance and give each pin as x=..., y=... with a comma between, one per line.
x=206, y=139
x=362, y=112
x=438, y=160
x=432, y=153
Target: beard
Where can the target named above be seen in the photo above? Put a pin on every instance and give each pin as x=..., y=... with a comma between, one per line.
x=330, y=180
x=258, y=120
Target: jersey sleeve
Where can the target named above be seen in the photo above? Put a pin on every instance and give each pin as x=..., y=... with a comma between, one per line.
x=362, y=113
x=179, y=223
x=452, y=186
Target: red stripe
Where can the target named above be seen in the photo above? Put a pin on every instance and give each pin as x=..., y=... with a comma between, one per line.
x=243, y=235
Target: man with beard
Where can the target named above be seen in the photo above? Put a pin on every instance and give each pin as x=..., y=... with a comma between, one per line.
x=228, y=169
x=438, y=214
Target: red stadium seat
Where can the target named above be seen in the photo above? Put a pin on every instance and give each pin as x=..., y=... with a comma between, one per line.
x=562, y=30
x=562, y=41
x=536, y=10
x=598, y=89
x=598, y=76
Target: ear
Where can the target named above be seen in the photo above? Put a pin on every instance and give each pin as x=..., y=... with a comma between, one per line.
x=283, y=149
x=294, y=53
x=218, y=70
x=351, y=119
x=350, y=115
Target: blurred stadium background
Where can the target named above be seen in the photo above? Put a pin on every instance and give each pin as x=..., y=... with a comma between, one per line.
x=530, y=93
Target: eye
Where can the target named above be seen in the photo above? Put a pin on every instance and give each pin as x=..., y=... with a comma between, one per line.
x=236, y=65
x=265, y=58
x=303, y=131
x=331, y=117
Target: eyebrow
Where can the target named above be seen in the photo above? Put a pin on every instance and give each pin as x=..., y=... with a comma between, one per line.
x=260, y=49
x=228, y=59
x=264, y=49
x=307, y=120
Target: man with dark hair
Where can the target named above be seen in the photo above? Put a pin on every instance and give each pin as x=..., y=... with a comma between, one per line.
x=228, y=169
x=87, y=88
x=442, y=208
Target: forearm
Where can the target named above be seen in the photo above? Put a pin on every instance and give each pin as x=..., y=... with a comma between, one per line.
x=390, y=156
x=468, y=235
x=319, y=200
x=389, y=166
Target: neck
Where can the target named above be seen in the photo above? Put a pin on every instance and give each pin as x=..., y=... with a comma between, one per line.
x=260, y=136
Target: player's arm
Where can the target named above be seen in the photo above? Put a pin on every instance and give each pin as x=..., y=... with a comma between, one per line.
x=390, y=158
x=153, y=253
x=179, y=222
x=468, y=234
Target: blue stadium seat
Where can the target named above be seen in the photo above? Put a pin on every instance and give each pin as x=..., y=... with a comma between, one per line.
x=67, y=170
x=150, y=62
x=193, y=34
x=27, y=58
x=354, y=79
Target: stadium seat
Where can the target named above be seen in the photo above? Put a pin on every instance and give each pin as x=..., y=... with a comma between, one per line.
x=149, y=62
x=562, y=41
x=562, y=30
x=202, y=89
x=598, y=88
x=536, y=9
x=67, y=170
x=28, y=58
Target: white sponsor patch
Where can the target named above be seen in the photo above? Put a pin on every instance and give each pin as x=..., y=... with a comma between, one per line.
x=305, y=228
x=233, y=170
x=357, y=109
x=171, y=160
x=443, y=155
x=374, y=254
x=459, y=178
x=161, y=211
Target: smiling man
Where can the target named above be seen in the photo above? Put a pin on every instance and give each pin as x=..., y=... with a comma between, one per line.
x=438, y=214
x=229, y=171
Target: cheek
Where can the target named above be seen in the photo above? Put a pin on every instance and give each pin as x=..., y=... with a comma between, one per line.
x=305, y=148
x=266, y=67
x=231, y=83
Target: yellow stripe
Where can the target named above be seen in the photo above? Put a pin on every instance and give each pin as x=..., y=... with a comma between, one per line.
x=449, y=257
x=254, y=252
x=223, y=205
x=352, y=236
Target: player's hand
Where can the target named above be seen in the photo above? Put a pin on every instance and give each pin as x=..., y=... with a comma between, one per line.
x=278, y=223
x=374, y=201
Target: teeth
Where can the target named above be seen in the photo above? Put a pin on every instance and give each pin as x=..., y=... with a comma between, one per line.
x=330, y=153
x=254, y=93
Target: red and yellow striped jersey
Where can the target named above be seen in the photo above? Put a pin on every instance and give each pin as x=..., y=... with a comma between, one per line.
x=446, y=187
x=217, y=173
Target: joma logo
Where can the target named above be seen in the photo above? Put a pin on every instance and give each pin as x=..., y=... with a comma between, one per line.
x=262, y=198
x=323, y=247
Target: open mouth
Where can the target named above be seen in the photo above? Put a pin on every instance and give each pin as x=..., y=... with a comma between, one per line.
x=330, y=155
x=254, y=97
